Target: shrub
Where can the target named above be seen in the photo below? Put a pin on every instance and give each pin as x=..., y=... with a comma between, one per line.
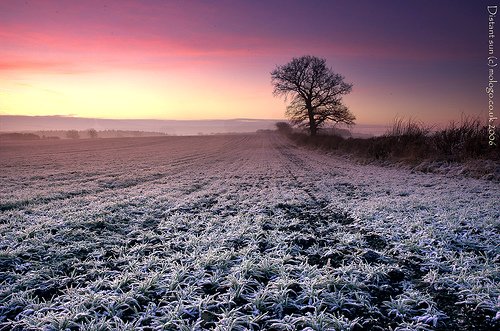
x=284, y=127
x=459, y=141
x=72, y=134
x=92, y=133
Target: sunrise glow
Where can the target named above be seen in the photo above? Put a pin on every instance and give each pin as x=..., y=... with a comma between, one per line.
x=199, y=60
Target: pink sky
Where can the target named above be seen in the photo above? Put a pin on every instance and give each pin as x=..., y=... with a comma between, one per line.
x=211, y=60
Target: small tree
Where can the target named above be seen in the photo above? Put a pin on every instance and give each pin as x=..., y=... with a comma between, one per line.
x=316, y=92
x=92, y=133
x=72, y=134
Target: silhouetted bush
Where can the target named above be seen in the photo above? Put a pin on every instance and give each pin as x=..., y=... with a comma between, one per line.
x=92, y=133
x=466, y=139
x=284, y=127
x=72, y=134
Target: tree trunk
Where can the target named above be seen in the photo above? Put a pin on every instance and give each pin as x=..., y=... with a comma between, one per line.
x=312, y=123
x=313, y=129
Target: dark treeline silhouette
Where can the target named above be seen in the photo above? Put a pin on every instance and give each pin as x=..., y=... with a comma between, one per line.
x=19, y=136
x=76, y=134
x=411, y=142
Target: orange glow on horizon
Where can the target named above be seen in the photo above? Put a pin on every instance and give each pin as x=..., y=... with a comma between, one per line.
x=136, y=94
x=198, y=60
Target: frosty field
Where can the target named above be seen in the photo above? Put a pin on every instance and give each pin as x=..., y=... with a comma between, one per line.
x=242, y=232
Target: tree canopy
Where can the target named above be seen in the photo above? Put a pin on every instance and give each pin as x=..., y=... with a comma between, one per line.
x=315, y=93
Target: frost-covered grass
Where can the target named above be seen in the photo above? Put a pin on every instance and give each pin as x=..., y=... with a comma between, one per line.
x=239, y=233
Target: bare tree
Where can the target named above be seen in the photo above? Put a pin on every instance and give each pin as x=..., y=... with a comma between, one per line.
x=92, y=133
x=316, y=93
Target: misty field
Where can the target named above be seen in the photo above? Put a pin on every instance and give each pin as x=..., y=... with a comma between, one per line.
x=242, y=232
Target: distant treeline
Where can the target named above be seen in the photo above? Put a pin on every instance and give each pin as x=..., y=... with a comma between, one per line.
x=19, y=136
x=76, y=134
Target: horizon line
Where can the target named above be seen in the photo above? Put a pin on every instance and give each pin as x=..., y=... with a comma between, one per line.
x=148, y=119
x=175, y=120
